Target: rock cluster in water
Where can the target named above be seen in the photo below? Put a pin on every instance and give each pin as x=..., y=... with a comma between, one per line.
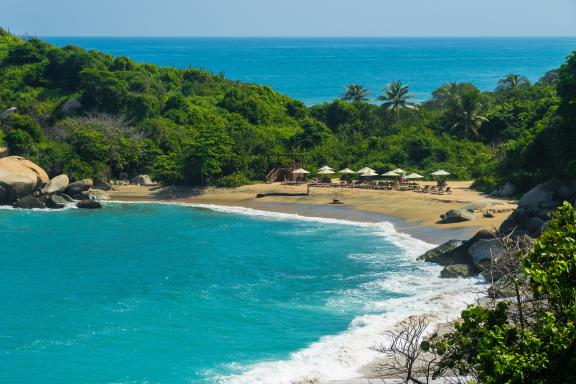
x=24, y=184
x=528, y=221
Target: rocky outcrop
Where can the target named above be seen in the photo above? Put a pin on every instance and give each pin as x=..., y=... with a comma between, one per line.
x=55, y=201
x=507, y=190
x=456, y=252
x=79, y=187
x=89, y=204
x=484, y=250
x=442, y=254
x=102, y=185
x=142, y=180
x=535, y=206
x=56, y=185
x=20, y=177
x=4, y=152
x=456, y=270
x=457, y=215
x=29, y=202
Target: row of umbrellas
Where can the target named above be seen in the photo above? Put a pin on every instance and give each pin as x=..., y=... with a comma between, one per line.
x=369, y=172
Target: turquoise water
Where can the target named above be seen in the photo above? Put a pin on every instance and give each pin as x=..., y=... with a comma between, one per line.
x=315, y=70
x=145, y=293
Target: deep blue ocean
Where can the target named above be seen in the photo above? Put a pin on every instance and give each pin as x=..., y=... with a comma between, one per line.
x=316, y=70
x=150, y=293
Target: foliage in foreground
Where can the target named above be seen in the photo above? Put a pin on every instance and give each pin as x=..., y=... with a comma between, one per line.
x=491, y=345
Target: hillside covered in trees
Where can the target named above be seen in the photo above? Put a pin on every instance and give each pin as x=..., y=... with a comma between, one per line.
x=89, y=114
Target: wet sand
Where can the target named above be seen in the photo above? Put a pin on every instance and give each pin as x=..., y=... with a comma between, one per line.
x=415, y=213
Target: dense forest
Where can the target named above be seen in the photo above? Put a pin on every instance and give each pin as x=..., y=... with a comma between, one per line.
x=89, y=114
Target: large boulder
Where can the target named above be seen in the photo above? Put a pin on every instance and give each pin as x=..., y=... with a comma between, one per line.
x=539, y=196
x=55, y=201
x=3, y=196
x=29, y=202
x=89, y=204
x=20, y=177
x=567, y=190
x=79, y=187
x=456, y=270
x=441, y=254
x=507, y=190
x=535, y=226
x=457, y=215
x=56, y=185
x=142, y=180
x=484, y=250
x=4, y=152
x=102, y=185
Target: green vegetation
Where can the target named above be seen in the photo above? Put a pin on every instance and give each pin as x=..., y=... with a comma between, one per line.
x=536, y=341
x=93, y=115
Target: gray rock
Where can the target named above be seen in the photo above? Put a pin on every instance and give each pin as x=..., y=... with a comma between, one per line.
x=507, y=190
x=508, y=226
x=66, y=197
x=535, y=226
x=485, y=249
x=79, y=187
x=544, y=214
x=55, y=202
x=3, y=196
x=441, y=254
x=102, y=185
x=567, y=189
x=456, y=270
x=142, y=180
x=56, y=185
x=85, y=195
x=540, y=194
x=29, y=202
x=70, y=106
x=89, y=204
x=457, y=215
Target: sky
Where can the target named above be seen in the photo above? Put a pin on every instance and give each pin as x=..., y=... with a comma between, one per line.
x=289, y=17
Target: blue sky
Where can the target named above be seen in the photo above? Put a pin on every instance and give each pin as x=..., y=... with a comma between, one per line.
x=290, y=17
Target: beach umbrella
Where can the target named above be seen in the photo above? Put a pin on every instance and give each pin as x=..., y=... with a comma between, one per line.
x=399, y=171
x=366, y=169
x=369, y=173
x=300, y=171
x=414, y=176
x=326, y=168
x=390, y=174
x=326, y=172
x=347, y=171
x=440, y=172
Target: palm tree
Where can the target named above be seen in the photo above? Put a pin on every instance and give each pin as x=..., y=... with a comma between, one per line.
x=466, y=113
x=396, y=97
x=355, y=93
x=512, y=82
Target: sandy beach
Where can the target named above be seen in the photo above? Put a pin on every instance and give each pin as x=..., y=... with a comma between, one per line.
x=411, y=212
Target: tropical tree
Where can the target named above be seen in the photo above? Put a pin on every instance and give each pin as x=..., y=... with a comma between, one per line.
x=396, y=98
x=355, y=93
x=513, y=82
x=465, y=113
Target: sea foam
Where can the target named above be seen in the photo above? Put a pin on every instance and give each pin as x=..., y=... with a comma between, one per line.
x=338, y=357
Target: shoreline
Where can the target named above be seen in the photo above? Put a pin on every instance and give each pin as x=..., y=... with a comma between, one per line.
x=444, y=305
x=412, y=213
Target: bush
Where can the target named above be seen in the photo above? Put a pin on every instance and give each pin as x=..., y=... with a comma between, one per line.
x=233, y=181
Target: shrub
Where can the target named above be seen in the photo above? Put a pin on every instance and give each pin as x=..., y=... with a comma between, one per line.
x=232, y=181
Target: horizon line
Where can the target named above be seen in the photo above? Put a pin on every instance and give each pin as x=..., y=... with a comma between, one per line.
x=313, y=36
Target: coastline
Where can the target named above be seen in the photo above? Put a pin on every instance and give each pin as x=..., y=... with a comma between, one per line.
x=435, y=298
x=413, y=213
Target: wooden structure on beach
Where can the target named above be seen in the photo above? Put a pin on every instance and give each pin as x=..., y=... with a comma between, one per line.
x=281, y=165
